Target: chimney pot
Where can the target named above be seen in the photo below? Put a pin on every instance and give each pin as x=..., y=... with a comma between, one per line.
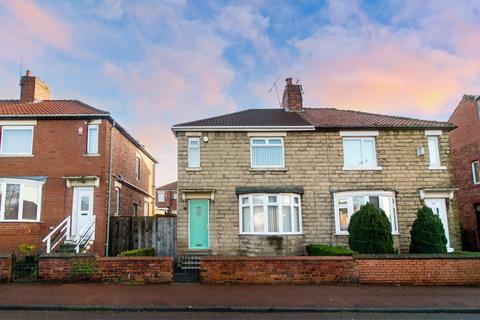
x=28, y=73
x=292, y=96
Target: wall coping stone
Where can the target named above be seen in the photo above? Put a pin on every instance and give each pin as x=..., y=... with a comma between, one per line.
x=68, y=256
x=162, y=258
x=414, y=256
x=277, y=258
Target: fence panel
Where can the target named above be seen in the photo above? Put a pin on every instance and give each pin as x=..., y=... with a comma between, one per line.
x=127, y=233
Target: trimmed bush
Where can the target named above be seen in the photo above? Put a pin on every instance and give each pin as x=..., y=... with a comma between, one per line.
x=323, y=250
x=142, y=252
x=427, y=234
x=370, y=231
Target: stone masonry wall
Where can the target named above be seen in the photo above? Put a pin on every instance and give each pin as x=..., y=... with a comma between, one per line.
x=313, y=160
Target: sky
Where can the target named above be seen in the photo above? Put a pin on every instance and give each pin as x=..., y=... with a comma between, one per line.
x=153, y=64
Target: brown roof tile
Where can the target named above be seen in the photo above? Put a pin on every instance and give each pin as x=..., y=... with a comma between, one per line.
x=47, y=108
x=170, y=186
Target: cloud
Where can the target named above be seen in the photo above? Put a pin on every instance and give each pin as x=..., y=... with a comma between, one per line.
x=109, y=9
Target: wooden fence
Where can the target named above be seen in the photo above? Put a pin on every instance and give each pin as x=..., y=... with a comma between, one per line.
x=127, y=233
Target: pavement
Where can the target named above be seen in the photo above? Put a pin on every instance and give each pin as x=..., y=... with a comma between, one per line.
x=281, y=298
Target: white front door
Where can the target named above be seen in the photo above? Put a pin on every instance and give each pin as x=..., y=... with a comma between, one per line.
x=439, y=207
x=82, y=209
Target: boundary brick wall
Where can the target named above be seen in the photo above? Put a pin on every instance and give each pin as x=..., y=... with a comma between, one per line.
x=5, y=268
x=277, y=270
x=68, y=268
x=408, y=270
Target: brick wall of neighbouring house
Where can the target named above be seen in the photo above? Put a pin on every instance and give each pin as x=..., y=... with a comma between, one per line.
x=5, y=268
x=313, y=160
x=277, y=270
x=465, y=141
x=419, y=271
x=66, y=268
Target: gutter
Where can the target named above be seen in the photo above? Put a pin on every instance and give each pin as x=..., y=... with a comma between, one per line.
x=243, y=128
x=131, y=185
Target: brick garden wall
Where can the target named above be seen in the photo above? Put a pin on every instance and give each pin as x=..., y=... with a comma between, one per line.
x=116, y=269
x=277, y=270
x=5, y=268
x=418, y=271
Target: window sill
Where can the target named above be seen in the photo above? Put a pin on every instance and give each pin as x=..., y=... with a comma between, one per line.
x=347, y=234
x=268, y=169
x=437, y=168
x=362, y=168
x=194, y=169
x=16, y=155
x=271, y=234
x=92, y=155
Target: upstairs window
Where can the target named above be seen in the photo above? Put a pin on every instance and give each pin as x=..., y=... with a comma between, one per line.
x=359, y=153
x=117, y=201
x=16, y=140
x=20, y=200
x=92, y=139
x=194, y=152
x=267, y=152
x=434, y=151
x=475, y=172
x=161, y=197
x=137, y=167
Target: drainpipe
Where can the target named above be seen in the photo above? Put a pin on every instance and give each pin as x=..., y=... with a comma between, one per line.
x=109, y=192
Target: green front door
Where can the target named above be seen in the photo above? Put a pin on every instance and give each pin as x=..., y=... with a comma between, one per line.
x=198, y=224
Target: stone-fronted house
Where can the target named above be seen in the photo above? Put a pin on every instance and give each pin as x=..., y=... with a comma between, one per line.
x=58, y=161
x=270, y=181
x=465, y=141
x=166, y=203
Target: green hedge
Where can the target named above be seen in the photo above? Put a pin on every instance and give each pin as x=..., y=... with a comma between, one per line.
x=323, y=250
x=142, y=252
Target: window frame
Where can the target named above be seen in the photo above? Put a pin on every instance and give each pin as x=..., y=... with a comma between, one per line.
x=22, y=183
x=89, y=128
x=189, y=154
x=472, y=165
x=362, y=140
x=137, y=167
x=16, y=128
x=265, y=205
x=282, y=145
x=366, y=193
x=437, y=143
x=117, y=201
x=163, y=196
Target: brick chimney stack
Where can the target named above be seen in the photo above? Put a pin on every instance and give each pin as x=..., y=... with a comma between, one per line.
x=33, y=89
x=292, y=96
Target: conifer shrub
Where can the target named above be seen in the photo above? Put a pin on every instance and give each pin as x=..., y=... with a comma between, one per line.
x=427, y=234
x=370, y=231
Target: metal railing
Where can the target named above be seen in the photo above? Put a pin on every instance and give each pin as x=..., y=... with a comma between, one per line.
x=58, y=234
x=85, y=235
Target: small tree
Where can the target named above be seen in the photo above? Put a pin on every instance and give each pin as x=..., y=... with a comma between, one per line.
x=427, y=234
x=370, y=231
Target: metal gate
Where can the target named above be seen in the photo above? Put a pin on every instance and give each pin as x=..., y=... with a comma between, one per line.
x=24, y=269
x=186, y=268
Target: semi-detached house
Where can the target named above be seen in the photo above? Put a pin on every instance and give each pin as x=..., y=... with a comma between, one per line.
x=270, y=181
x=58, y=161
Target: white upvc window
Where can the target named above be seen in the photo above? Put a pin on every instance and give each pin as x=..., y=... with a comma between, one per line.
x=137, y=167
x=175, y=196
x=359, y=152
x=267, y=152
x=161, y=196
x=117, y=201
x=476, y=172
x=16, y=141
x=20, y=200
x=270, y=214
x=347, y=203
x=433, y=141
x=92, y=139
x=194, y=152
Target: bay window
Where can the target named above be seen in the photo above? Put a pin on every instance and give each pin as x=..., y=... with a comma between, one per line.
x=347, y=203
x=267, y=152
x=20, y=199
x=270, y=214
x=16, y=140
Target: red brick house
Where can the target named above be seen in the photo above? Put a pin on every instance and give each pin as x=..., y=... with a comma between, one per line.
x=465, y=141
x=166, y=203
x=58, y=161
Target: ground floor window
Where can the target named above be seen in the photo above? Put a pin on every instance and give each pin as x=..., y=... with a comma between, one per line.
x=20, y=199
x=270, y=214
x=347, y=203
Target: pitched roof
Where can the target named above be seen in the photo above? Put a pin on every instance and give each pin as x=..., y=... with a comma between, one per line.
x=320, y=118
x=48, y=108
x=170, y=186
x=251, y=118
